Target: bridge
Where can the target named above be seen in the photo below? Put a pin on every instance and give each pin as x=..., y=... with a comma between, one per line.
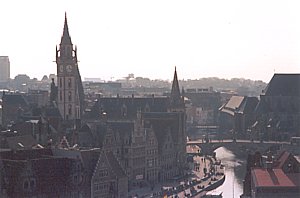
x=243, y=146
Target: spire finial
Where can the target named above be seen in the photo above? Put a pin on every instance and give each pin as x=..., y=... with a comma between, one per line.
x=66, y=39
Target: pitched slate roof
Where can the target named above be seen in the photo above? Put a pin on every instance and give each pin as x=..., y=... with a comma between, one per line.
x=262, y=106
x=114, y=106
x=21, y=142
x=284, y=85
x=14, y=99
x=26, y=154
x=249, y=105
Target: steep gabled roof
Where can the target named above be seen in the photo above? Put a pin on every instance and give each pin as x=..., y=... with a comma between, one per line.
x=14, y=99
x=115, y=165
x=284, y=85
x=21, y=142
x=114, y=106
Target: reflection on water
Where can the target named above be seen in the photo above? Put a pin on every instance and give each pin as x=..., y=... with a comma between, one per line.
x=235, y=172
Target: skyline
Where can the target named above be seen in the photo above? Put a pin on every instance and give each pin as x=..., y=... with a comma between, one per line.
x=251, y=40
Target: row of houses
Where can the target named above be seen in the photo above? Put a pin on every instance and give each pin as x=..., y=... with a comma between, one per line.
x=61, y=172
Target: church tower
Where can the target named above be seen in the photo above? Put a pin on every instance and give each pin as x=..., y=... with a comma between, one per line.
x=69, y=85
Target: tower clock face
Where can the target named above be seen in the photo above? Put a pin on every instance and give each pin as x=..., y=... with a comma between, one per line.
x=69, y=68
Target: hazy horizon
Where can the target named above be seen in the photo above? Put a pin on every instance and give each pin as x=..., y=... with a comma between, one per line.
x=224, y=39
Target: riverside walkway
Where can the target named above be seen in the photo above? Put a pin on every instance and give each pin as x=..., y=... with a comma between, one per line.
x=205, y=177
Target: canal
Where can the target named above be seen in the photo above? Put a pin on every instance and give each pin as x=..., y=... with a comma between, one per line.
x=235, y=172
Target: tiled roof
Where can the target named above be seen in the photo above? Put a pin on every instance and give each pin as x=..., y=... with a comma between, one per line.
x=282, y=158
x=263, y=177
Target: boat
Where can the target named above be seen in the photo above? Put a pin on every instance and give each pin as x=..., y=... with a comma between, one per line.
x=213, y=195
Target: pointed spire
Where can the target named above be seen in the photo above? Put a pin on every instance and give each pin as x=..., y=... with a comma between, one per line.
x=66, y=39
x=175, y=92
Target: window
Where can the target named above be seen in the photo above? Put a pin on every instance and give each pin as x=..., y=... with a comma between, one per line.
x=32, y=183
x=103, y=173
x=60, y=82
x=70, y=96
x=69, y=82
x=26, y=185
x=70, y=109
x=124, y=110
x=60, y=95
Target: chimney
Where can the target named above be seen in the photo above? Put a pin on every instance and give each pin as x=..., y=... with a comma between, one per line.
x=269, y=161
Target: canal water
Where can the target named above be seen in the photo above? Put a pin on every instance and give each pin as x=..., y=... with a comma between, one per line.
x=235, y=171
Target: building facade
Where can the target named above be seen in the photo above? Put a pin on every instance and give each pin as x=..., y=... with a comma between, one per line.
x=278, y=111
x=147, y=135
x=70, y=90
x=4, y=69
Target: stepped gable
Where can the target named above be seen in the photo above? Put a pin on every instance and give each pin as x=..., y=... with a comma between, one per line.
x=161, y=122
x=115, y=165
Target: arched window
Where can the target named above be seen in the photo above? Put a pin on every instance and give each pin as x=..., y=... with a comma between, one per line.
x=70, y=96
x=69, y=82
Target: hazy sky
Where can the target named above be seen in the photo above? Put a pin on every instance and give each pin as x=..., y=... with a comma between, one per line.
x=203, y=38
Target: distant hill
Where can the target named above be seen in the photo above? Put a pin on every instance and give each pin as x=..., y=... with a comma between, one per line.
x=240, y=85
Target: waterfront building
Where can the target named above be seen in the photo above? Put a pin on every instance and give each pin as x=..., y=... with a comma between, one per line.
x=109, y=178
x=274, y=177
x=237, y=115
x=147, y=135
x=278, y=111
x=203, y=110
